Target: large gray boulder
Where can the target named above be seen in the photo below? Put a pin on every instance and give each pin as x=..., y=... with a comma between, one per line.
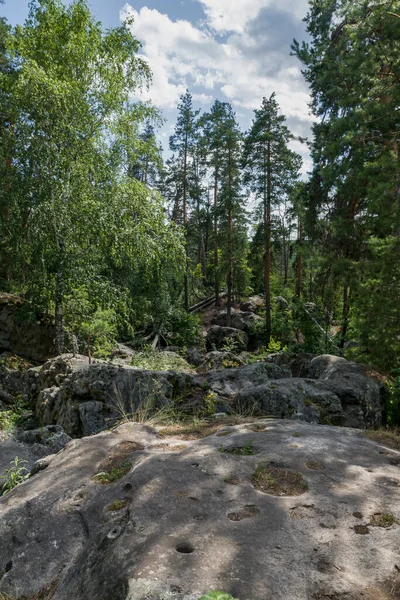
x=185, y=518
x=253, y=304
x=229, y=382
x=219, y=338
x=294, y=398
x=358, y=390
x=216, y=360
x=85, y=399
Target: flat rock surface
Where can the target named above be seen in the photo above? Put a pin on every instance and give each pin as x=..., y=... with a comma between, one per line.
x=189, y=519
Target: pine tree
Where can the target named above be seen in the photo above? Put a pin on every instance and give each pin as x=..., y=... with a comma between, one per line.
x=214, y=126
x=183, y=142
x=271, y=169
x=352, y=66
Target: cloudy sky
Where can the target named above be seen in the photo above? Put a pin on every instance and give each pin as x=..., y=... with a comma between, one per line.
x=235, y=50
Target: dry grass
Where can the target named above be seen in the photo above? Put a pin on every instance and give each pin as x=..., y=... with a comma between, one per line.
x=391, y=439
x=276, y=481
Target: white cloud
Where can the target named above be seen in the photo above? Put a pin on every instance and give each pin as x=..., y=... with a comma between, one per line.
x=243, y=68
x=233, y=15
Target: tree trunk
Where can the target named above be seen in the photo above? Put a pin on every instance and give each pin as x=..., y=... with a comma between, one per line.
x=346, y=312
x=59, y=314
x=230, y=250
x=299, y=261
x=216, y=259
x=186, y=282
x=285, y=255
x=267, y=228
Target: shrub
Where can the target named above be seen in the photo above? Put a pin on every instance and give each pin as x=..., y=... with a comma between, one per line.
x=15, y=475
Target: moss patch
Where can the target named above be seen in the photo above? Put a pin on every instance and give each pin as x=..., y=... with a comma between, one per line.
x=276, y=481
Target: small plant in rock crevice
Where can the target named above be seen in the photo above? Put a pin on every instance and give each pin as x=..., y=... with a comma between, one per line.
x=116, y=473
x=247, y=450
x=15, y=475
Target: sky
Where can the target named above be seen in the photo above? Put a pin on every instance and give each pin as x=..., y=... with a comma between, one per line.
x=235, y=50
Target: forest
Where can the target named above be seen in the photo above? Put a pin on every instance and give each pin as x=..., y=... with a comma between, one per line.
x=102, y=234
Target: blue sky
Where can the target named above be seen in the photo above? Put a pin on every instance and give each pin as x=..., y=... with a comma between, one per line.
x=235, y=50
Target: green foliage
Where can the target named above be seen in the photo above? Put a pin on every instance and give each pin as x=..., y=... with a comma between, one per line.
x=15, y=475
x=393, y=403
x=210, y=403
x=11, y=419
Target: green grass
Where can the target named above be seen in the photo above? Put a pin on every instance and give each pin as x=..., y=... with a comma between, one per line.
x=15, y=475
x=107, y=477
x=117, y=505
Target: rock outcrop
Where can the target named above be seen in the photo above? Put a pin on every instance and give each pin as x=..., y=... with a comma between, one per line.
x=85, y=399
x=127, y=515
x=221, y=338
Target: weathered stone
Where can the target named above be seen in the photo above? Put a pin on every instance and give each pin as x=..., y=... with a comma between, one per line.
x=229, y=382
x=293, y=398
x=253, y=304
x=220, y=337
x=51, y=436
x=172, y=537
x=42, y=464
x=215, y=361
x=195, y=356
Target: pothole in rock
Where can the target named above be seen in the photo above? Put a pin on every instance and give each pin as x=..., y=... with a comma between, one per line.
x=361, y=529
x=247, y=512
x=257, y=427
x=114, y=467
x=315, y=466
x=247, y=450
x=184, y=548
x=277, y=481
x=114, y=474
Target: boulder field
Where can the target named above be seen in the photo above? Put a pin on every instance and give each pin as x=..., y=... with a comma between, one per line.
x=86, y=399
x=270, y=510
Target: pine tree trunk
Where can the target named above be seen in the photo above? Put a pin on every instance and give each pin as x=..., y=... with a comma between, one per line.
x=346, y=312
x=216, y=259
x=267, y=231
x=299, y=261
x=186, y=282
x=285, y=256
x=230, y=250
